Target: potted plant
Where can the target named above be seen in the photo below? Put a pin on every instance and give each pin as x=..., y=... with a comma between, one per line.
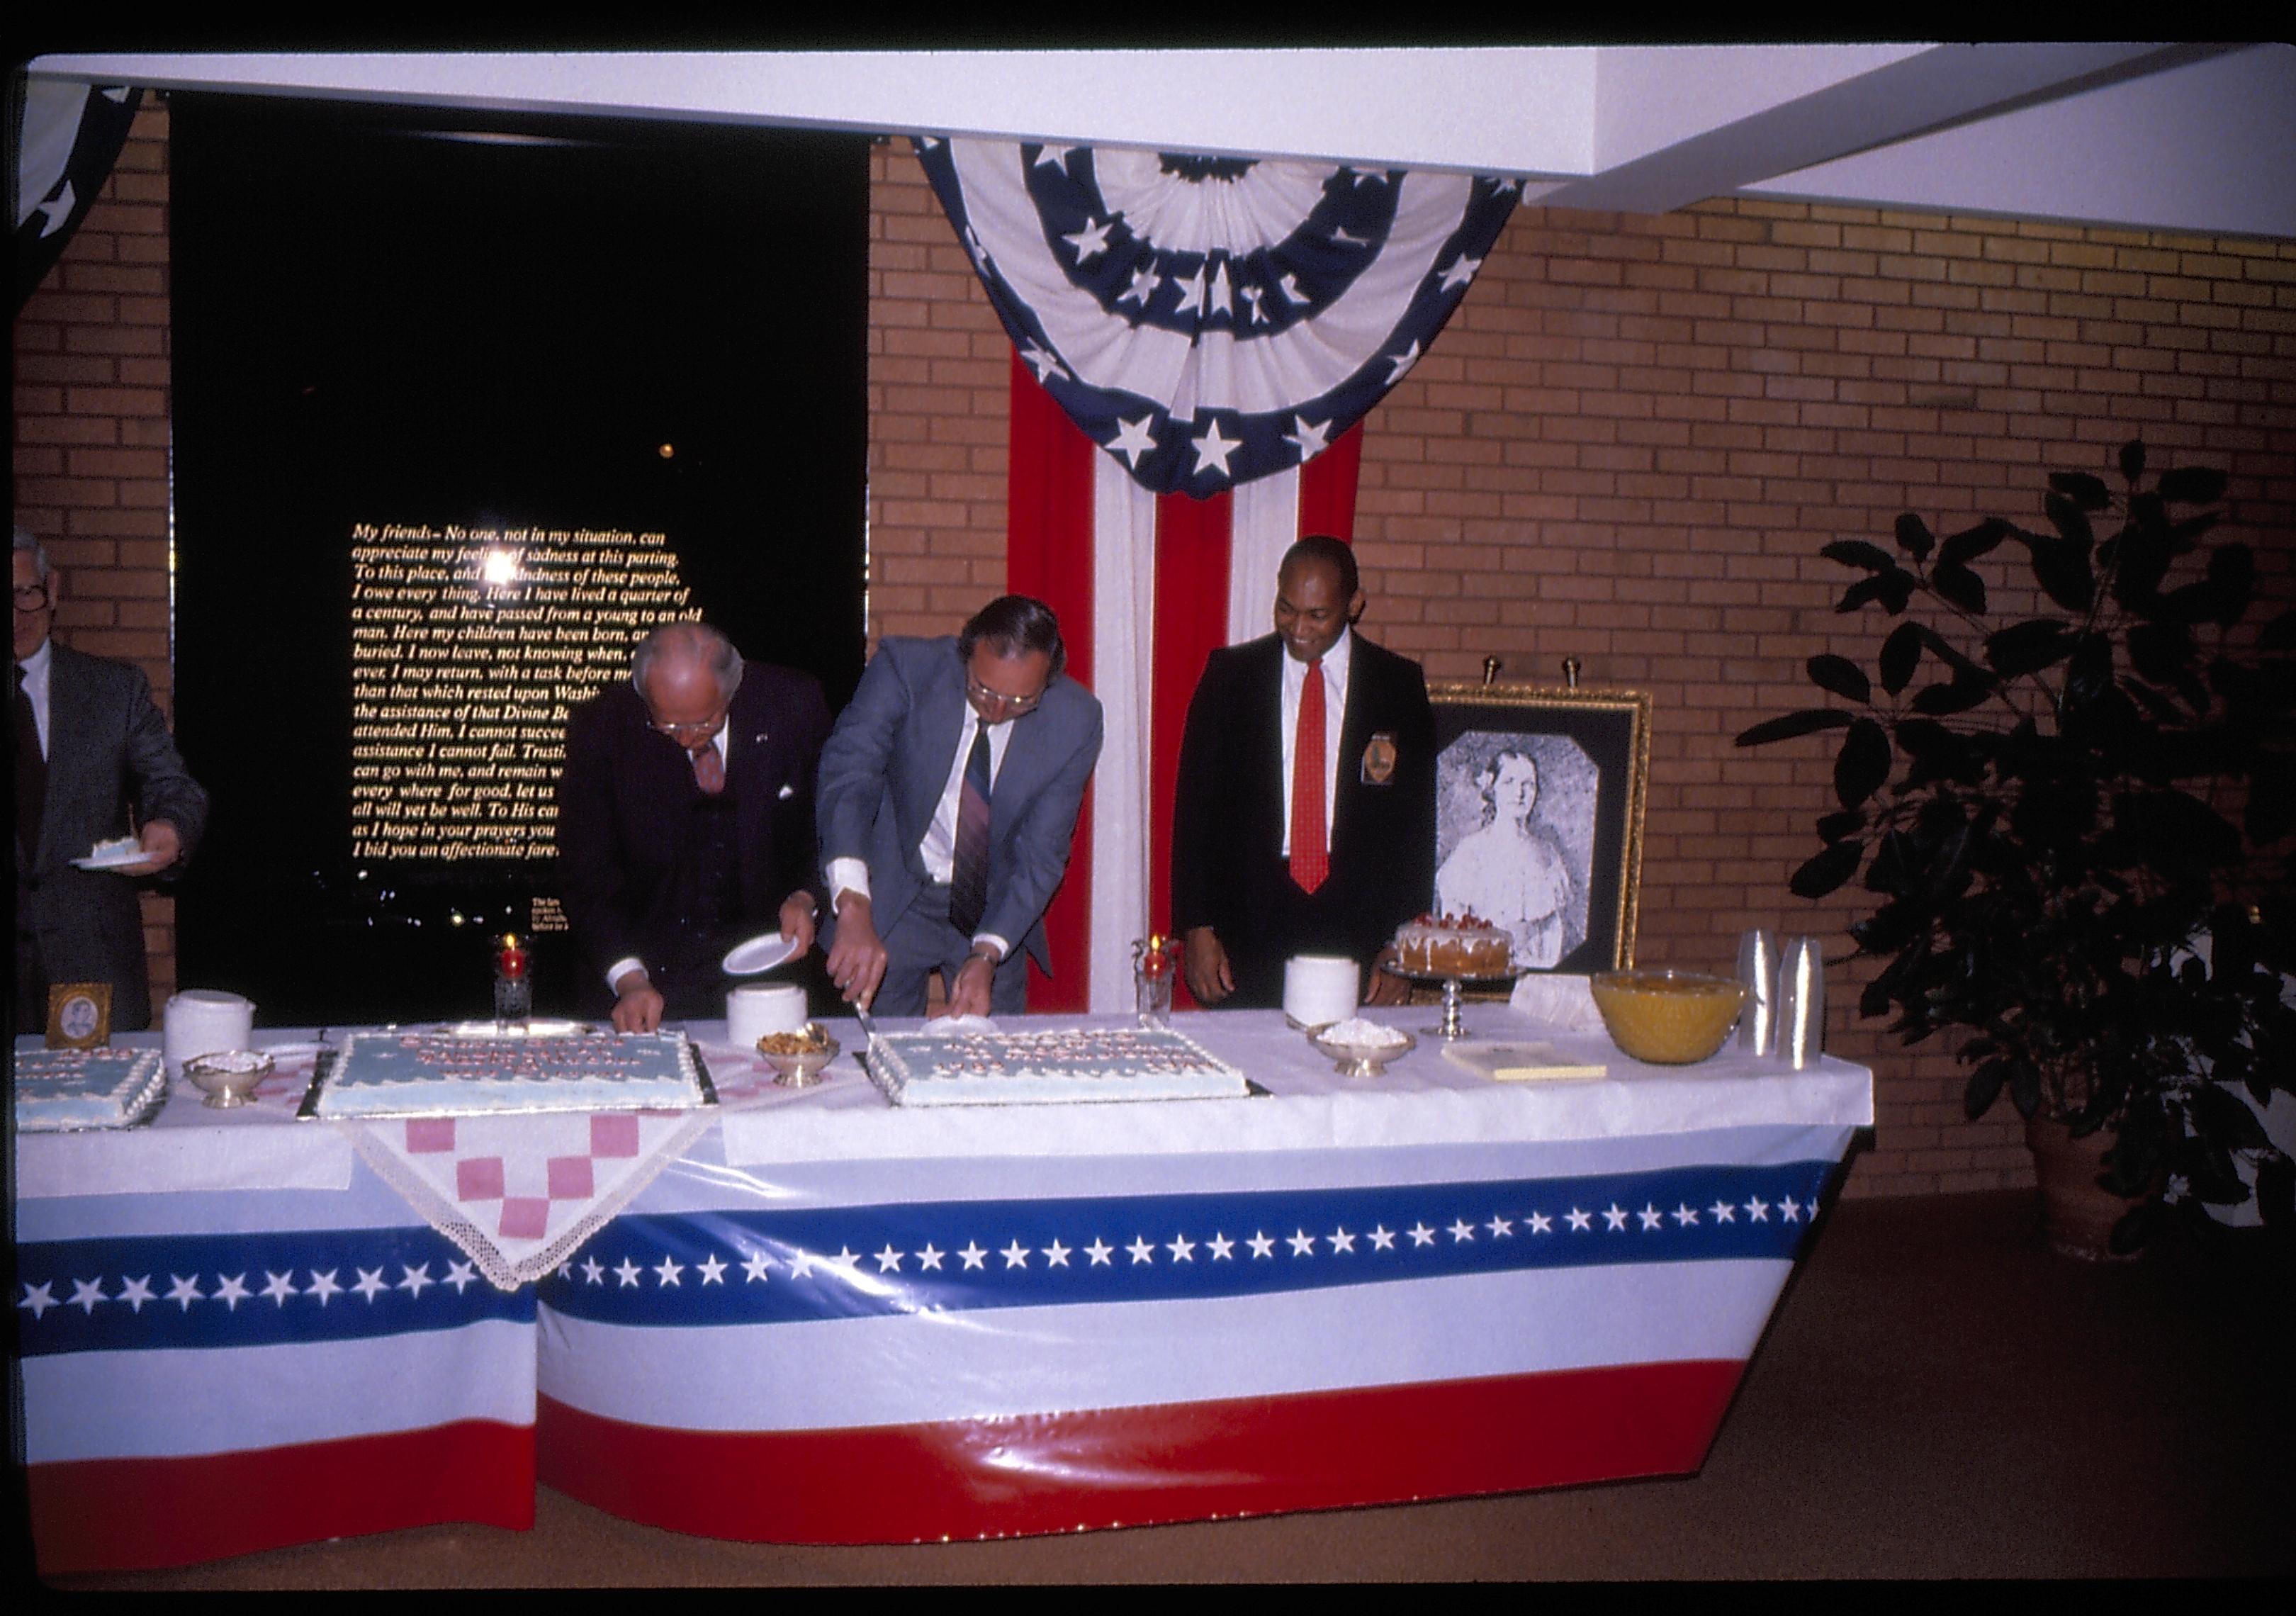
x=2070, y=795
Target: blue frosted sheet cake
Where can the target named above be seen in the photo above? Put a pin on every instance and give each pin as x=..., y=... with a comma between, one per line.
x=66, y=1089
x=418, y=1074
x=1049, y=1065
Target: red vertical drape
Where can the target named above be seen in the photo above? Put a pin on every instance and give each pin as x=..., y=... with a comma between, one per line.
x=1048, y=554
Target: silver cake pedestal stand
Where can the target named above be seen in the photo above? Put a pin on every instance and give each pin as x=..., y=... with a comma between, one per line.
x=1453, y=1027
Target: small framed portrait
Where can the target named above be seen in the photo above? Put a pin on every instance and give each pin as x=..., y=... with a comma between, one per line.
x=1539, y=817
x=79, y=1015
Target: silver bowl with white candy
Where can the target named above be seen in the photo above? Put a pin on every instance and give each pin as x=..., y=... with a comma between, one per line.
x=1360, y=1047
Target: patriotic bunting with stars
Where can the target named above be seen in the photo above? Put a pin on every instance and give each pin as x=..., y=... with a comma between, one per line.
x=1209, y=321
x=72, y=134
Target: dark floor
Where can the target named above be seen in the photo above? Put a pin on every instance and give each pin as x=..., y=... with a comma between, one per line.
x=1937, y=1397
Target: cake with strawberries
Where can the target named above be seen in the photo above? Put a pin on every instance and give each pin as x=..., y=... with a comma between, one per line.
x=1453, y=945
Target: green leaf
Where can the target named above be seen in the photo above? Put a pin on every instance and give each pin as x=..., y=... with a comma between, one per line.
x=2089, y=493
x=2232, y=574
x=1958, y=584
x=1841, y=676
x=2132, y=459
x=1827, y=871
x=1984, y=1087
x=2279, y=635
x=2193, y=485
x=1862, y=765
x=2090, y=674
x=2060, y=566
x=1807, y=722
x=1857, y=553
x=1835, y=827
x=1943, y=701
x=1899, y=654
x=1968, y=545
x=1914, y=536
x=2029, y=646
x=2070, y=523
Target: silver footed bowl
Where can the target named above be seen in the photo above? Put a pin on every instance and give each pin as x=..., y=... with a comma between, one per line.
x=228, y=1078
x=1361, y=1060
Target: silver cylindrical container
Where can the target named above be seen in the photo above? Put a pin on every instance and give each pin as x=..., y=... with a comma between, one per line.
x=1802, y=1001
x=1758, y=970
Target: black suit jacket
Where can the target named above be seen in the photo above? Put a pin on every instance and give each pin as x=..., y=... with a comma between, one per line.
x=626, y=804
x=1229, y=815
x=107, y=745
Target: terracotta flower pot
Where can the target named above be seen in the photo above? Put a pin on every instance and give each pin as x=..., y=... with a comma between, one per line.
x=2077, y=1213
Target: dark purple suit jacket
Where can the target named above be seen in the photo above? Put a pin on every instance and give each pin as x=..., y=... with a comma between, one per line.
x=625, y=803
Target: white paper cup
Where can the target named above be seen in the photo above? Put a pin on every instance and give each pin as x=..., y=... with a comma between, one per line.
x=200, y=1021
x=1319, y=988
x=752, y=1013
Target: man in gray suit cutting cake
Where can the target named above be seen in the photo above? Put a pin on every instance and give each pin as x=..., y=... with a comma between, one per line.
x=90, y=745
x=949, y=793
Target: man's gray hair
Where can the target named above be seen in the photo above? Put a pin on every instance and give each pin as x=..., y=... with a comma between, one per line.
x=26, y=541
x=694, y=642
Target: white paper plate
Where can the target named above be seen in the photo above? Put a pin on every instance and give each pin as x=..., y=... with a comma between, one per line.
x=112, y=861
x=760, y=954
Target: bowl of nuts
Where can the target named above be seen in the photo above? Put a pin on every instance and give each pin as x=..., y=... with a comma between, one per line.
x=797, y=1057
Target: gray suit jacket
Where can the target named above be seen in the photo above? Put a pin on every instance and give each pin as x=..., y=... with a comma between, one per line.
x=888, y=759
x=107, y=746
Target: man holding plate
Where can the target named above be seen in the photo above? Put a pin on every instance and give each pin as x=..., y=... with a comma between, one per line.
x=685, y=820
x=89, y=745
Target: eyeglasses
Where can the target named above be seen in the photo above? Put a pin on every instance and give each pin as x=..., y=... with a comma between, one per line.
x=681, y=732
x=31, y=597
x=985, y=697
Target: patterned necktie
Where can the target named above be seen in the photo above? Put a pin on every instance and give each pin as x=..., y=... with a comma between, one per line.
x=968, y=879
x=31, y=770
x=709, y=768
x=1310, y=861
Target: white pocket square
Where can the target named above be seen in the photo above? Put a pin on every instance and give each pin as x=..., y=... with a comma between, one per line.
x=787, y=792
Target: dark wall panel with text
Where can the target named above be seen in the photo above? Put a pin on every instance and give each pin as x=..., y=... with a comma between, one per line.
x=463, y=404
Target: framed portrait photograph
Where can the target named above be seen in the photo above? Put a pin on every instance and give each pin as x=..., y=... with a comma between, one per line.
x=1539, y=817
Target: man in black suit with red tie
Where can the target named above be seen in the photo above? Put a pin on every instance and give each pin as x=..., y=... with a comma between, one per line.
x=685, y=820
x=1270, y=861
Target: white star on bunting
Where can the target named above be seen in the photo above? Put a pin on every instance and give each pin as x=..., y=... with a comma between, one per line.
x=41, y=1297
x=232, y=1292
x=1383, y=1239
x=1462, y=271
x=323, y=1286
x=1340, y=1240
x=1261, y=1245
x=713, y=1269
x=1056, y=1255
x=665, y=1272
x=416, y=1278
x=1015, y=1256
x=370, y=1285
x=1092, y=240
x=1182, y=1248
x=135, y=1292
x=974, y=1257
x=1142, y=1251
x=888, y=1260
x=1099, y=1251
x=753, y=1268
x=1134, y=441
x=86, y=1294
x=1309, y=437
x=279, y=1287
x=929, y=1258
x=1302, y=1243
x=627, y=1271
x=1222, y=1247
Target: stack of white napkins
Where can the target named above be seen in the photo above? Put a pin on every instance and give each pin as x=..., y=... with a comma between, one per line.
x=1563, y=1002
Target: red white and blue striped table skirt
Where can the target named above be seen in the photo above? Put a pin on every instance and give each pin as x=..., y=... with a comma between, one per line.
x=832, y=1321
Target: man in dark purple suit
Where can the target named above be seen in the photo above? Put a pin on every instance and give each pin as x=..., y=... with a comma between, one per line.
x=685, y=820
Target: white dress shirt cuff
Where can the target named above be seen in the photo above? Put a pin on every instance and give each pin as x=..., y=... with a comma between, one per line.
x=847, y=875
x=1003, y=949
x=618, y=969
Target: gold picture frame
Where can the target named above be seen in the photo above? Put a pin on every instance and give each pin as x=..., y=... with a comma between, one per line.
x=1565, y=878
x=79, y=1015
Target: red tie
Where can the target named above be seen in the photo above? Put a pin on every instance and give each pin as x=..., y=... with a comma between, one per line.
x=709, y=768
x=1310, y=862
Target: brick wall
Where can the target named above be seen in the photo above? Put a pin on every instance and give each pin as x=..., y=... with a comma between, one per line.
x=91, y=445
x=1628, y=448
